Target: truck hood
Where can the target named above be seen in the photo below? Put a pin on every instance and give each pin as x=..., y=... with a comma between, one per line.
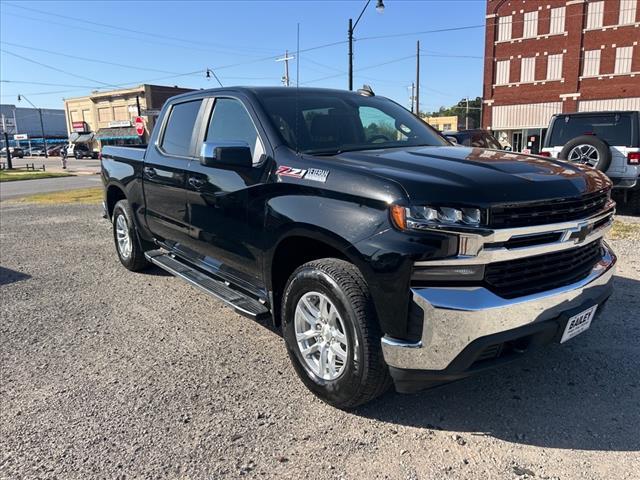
x=476, y=176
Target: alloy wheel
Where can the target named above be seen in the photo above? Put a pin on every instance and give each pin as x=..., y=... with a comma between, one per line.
x=586, y=154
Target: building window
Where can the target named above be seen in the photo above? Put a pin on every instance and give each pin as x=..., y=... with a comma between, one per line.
x=595, y=12
x=502, y=72
x=627, y=12
x=105, y=114
x=86, y=116
x=591, y=66
x=554, y=67
x=528, y=70
x=446, y=127
x=120, y=113
x=504, y=28
x=623, y=59
x=530, y=24
x=557, y=20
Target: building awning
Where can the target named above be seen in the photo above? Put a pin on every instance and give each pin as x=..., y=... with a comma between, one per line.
x=76, y=137
x=117, y=133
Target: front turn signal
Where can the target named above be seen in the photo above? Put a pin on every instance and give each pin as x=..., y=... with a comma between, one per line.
x=399, y=216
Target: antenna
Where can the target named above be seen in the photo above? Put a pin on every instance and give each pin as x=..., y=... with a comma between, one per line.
x=211, y=72
x=285, y=59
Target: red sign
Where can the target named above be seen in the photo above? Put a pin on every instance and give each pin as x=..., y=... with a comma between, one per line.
x=78, y=126
x=139, y=124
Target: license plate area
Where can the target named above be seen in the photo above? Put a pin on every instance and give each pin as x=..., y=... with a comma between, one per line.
x=579, y=323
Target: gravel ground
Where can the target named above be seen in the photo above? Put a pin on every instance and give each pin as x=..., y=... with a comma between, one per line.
x=112, y=374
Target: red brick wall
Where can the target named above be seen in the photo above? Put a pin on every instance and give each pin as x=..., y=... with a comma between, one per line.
x=575, y=42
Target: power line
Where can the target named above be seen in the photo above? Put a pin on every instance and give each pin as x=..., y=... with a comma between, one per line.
x=125, y=29
x=86, y=59
x=363, y=68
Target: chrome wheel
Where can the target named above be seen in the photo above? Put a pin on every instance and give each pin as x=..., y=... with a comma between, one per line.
x=321, y=336
x=587, y=154
x=122, y=236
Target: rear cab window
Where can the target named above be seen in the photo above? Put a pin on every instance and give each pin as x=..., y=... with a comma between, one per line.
x=616, y=129
x=177, y=138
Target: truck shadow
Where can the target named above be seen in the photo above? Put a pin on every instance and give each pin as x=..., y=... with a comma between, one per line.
x=584, y=394
x=8, y=276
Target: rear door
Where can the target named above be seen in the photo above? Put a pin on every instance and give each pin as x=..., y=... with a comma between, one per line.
x=164, y=173
x=224, y=236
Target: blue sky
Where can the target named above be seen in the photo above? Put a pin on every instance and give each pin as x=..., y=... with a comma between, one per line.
x=173, y=43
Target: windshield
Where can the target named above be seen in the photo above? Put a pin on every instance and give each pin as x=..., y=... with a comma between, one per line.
x=614, y=128
x=333, y=122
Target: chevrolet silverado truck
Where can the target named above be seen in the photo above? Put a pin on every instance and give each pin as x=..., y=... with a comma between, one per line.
x=385, y=254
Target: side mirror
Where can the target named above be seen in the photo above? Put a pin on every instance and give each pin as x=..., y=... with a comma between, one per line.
x=452, y=139
x=237, y=154
x=507, y=148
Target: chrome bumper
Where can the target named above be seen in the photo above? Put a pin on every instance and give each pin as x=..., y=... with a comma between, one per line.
x=455, y=317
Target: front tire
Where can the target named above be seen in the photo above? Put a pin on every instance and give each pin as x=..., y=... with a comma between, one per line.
x=128, y=245
x=332, y=333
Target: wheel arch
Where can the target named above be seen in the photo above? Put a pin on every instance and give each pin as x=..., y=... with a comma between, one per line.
x=296, y=248
x=113, y=195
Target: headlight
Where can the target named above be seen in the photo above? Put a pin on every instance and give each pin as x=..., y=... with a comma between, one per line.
x=420, y=218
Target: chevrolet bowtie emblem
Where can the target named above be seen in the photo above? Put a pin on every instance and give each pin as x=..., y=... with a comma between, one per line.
x=580, y=233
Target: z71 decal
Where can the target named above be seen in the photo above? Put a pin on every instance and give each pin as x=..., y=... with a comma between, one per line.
x=313, y=174
x=290, y=172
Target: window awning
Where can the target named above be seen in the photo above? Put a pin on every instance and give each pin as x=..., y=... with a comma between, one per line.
x=117, y=133
x=76, y=137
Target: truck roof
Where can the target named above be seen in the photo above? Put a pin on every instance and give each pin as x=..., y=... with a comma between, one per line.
x=271, y=91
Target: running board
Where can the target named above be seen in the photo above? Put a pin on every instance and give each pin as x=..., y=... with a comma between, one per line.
x=242, y=304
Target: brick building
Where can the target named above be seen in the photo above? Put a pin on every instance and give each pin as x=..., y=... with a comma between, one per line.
x=544, y=57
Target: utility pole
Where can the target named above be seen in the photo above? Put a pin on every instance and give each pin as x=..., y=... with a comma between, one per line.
x=413, y=96
x=44, y=139
x=352, y=26
x=418, y=79
x=285, y=59
x=6, y=144
x=466, y=117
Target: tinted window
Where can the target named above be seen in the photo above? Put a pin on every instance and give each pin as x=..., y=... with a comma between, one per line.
x=177, y=134
x=230, y=122
x=615, y=129
x=330, y=122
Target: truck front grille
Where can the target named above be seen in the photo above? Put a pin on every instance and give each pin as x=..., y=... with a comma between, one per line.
x=548, y=212
x=525, y=276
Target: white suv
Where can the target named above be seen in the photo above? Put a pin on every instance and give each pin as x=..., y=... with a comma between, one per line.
x=607, y=141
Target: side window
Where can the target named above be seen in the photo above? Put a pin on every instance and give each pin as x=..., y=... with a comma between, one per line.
x=179, y=130
x=230, y=121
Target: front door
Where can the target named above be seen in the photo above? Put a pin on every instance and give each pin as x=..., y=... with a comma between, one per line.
x=222, y=235
x=164, y=174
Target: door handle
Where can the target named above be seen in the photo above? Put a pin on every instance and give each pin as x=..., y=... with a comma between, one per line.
x=195, y=182
x=150, y=171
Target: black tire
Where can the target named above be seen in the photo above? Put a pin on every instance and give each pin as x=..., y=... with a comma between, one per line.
x=341, y=282
x=604, y=153
x=136, y=260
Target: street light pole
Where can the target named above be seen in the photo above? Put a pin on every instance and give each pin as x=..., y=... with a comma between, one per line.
x=44, y=139
x=352, y=26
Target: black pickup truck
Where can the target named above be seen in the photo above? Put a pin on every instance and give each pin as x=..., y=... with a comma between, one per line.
x=384, y=253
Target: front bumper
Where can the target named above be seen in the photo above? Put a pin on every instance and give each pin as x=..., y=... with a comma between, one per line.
x=459, y=323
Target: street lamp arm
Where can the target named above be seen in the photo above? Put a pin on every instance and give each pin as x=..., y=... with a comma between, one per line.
x=22, y=97
x=360, y=16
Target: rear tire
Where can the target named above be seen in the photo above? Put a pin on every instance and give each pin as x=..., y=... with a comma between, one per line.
x=355, y=371
x=125, y=236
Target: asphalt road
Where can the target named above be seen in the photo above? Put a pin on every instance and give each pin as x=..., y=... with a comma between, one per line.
x=21, y=188
x=111, y=374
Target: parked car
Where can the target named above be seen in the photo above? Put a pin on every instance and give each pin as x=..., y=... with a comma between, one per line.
x=474, y=138
x=384, y=254
x=35, y=152
x=605, y=141
x=54, y=151
x=80, y=150
x=16, y=152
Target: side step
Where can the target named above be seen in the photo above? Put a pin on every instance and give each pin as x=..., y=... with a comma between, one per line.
x=241, y=303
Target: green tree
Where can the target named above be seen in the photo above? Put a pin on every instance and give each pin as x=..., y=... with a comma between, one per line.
x=459, y=110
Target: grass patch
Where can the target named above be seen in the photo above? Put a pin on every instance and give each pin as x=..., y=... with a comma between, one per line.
x=622, y=230
x=80, y=195
x=14, y=175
